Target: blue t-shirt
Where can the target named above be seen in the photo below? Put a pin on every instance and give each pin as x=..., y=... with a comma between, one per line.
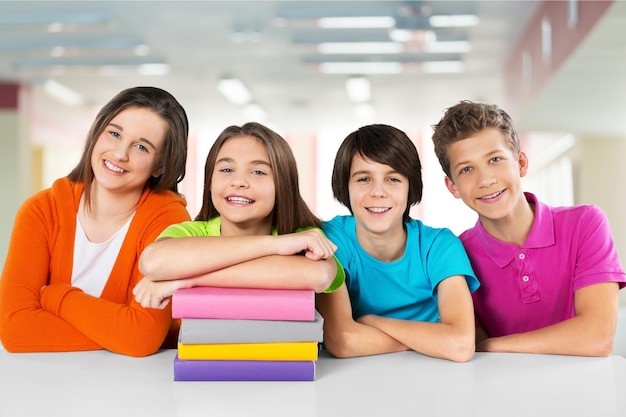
x=407, y=288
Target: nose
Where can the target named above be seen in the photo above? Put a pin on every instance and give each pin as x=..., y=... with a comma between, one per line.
x=239, y=181
x=486, y=179
x=121, y=151
x=378, y=189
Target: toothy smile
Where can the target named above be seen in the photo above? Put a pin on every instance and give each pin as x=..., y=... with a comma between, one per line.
x=378, y=209
x=490, y=196
x=112, y=167
x=240, y=200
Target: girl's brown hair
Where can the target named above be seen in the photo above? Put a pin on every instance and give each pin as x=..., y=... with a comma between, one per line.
x=172, y=157
x=290, y=210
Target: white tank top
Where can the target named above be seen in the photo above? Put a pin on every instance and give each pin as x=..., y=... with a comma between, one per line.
x=93, y=262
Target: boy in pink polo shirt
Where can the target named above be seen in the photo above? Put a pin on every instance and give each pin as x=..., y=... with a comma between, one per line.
x=549, y=276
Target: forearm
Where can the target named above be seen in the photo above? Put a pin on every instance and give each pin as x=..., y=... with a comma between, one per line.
x=121, y=328
x=589, y=333
x=276, y=271
x=570, y=337
x=25, y=326
x=345, y=338
x=40, y=331
x=187, y=257
x=439, y=340
x=353, y=339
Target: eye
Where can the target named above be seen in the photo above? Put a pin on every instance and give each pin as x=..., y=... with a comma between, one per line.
x=115, y=134
x=258, y=172
x=496, y=159
x=362, y=179
x=226, y=170
x=142, y=148
x=394, y=179
x=465, y=170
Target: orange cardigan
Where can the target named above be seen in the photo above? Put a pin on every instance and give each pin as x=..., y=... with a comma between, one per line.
x=39, y=308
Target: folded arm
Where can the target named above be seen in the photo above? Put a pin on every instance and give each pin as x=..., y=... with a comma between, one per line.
x=275, y=271
x=187, y=257
x=452, y=338
x=589, y=333
x=344, y=337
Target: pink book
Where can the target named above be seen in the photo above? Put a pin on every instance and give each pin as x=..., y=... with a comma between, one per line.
x=244, y=303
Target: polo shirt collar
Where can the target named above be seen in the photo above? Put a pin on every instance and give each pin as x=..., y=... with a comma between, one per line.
x=541, y=235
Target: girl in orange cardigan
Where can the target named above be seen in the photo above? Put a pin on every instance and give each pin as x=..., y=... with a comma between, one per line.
x=73, y=256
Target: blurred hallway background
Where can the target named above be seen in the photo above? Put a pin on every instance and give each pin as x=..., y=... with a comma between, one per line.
x=317, y=70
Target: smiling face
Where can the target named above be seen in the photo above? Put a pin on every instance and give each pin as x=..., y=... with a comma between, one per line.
x=486, y=175
x=378, y=197
x=242, y=187
x=126, y=153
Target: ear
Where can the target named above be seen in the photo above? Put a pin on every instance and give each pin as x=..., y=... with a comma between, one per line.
x=452, y=187
x=158, y=172
x=522, y=161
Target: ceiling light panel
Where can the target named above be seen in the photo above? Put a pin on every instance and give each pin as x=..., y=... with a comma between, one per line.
x=31, y=19
x=466, y=20
x=360, y=48
x=359, y=89
x=365, y=22
x=361, y=67
x=234, y=90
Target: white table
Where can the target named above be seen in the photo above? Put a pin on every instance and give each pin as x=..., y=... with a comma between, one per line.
x=101, y=383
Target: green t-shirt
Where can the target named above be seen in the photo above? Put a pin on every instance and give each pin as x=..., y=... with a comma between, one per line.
x=212, y=227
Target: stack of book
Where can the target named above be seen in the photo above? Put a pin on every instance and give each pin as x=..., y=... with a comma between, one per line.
x=245, y=334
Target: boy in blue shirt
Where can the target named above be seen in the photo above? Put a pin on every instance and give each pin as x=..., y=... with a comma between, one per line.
x=407, y=285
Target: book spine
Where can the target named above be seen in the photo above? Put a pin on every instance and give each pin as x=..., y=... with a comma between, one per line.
x=229, y=370
x=246, y=304
x=296, y=351
x=210, y=331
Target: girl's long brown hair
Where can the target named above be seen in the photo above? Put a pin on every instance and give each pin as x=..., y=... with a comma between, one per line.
x=290, y=210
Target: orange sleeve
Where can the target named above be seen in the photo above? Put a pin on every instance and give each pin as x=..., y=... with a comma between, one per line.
x=24, y=325
x=61, y=317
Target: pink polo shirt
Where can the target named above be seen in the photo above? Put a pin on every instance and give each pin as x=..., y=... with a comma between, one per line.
x=532, y=286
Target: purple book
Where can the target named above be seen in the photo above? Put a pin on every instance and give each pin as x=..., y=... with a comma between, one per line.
x=210, y=370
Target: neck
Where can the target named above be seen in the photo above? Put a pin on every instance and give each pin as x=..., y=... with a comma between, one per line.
x=246, y=229
x=515, y=227
x=386, y=247
x=107, y=205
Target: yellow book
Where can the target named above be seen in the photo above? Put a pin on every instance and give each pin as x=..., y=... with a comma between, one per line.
x=290, y=351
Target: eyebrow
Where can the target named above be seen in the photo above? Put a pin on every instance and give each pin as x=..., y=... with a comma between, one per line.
x=255, y=162
x=118, y=127
x=487, y=155
x=367, y=172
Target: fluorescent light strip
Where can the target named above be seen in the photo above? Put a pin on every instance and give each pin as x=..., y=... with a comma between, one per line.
x=360, y=48
x=358, y=89
x=153, y=69
x=445, y=47
x=442, y=67
x=405, y=35
x=234, y=91
x=364, y=22
x=448, y=21
x=361, y=67
x=62, y=93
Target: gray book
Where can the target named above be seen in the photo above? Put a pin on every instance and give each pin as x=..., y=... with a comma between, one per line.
x=213, y=331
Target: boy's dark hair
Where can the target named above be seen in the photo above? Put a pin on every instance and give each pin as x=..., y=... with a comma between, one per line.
x=383, y=144
x=467, y=118
x=290, y=210
x=173, y=156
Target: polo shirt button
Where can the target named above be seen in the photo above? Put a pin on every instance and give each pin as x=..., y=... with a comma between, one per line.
x=522, y=256
x=525, y=278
